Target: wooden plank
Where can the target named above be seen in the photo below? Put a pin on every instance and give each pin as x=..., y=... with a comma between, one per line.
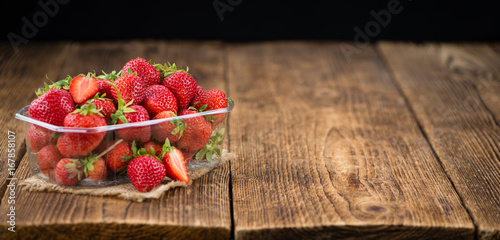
x=489, y=86
x=201, y=210
x=331, y=150
x=442, y=83
x=20, y=76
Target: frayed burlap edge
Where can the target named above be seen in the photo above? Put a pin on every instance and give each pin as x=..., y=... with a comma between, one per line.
x=124, y=191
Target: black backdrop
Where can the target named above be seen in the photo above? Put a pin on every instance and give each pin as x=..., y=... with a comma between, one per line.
x=250, y=20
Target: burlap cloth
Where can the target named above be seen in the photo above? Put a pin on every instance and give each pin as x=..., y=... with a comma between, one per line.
x=125, y=190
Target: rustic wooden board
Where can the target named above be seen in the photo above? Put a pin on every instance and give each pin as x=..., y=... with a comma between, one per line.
x=20, y=75
x=443, y=83
x=489, y=86
x=198, y=211
x=331, y=150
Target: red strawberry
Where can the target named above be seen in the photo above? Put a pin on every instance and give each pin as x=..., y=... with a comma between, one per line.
x=145, y=172
x=173, y=159
x=83, y=88
x=52, y=107
x=81, y=144
x=158, y=99
x=39, y=137
x=140, y=134
x=196, y=134
x=169, y=129
x=183, y=86
x=198, y=91
x=69, y=172
x=106, y=105
x=146, y=71
x=105, y=88
x=95, y=168
x=130, y=87
x=211, y=100
x=157, y=148
x=104, y=80
x=118, y=157
x=48, y=158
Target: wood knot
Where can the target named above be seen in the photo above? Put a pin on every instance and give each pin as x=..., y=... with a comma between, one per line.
x=373, y=210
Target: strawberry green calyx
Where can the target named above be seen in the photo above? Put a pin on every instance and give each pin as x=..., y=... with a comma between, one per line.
x=180, y=126
x=99, y=97
x=167, y=69
x=61, y=84
x=91, y=108
x=129, y=71
x=212, y=146
x=123, y=107
x=74, y=168
x=88, y=163
x=110, y=76
x=142, y=152
x=166, y=148
x=209, y=118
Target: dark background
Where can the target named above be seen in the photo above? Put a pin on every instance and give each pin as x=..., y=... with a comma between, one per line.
x=253, y=20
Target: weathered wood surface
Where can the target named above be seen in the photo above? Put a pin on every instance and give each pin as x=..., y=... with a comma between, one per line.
x=331, y=150
x=201, y=210
x=400, y=143
x=453, y=90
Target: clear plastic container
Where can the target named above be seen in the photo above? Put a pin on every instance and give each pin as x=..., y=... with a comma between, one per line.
x=103, y=142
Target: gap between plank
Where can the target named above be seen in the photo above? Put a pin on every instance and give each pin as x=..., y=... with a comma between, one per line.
x=414, y=116
x=225, y=69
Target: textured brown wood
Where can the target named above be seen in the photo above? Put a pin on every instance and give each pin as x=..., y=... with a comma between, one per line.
x=198, y=211
x=331, y=150
x=20, y=75
x=451, y=88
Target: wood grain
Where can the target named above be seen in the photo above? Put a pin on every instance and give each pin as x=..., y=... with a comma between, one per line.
x=450, y=89
x=20, y=75
x=201, y=210
x=331, y=150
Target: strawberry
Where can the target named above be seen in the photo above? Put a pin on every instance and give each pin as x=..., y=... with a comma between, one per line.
x=83, y=88
x=39, y=137
x=106, y=105
x=48, y=158
x=169, y=129
x=146, y=71
x=196, y=134
x=52, y=107
x=175, y=166
x=104, y=87
x=152, y=148
x=211, y=100
x=140, y=134
x=80, y=144
x=118, y=157
x=69, y=172
x=198, y=91
x=130, y=87
x=145, y=172
x=158, y=99
x=130, y=114
x=183, y=86
x=95, y=168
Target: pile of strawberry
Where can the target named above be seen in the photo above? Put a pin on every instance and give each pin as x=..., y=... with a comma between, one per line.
x=141, y=91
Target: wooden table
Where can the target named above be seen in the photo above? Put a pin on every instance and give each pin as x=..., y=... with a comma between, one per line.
x=398, y=141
